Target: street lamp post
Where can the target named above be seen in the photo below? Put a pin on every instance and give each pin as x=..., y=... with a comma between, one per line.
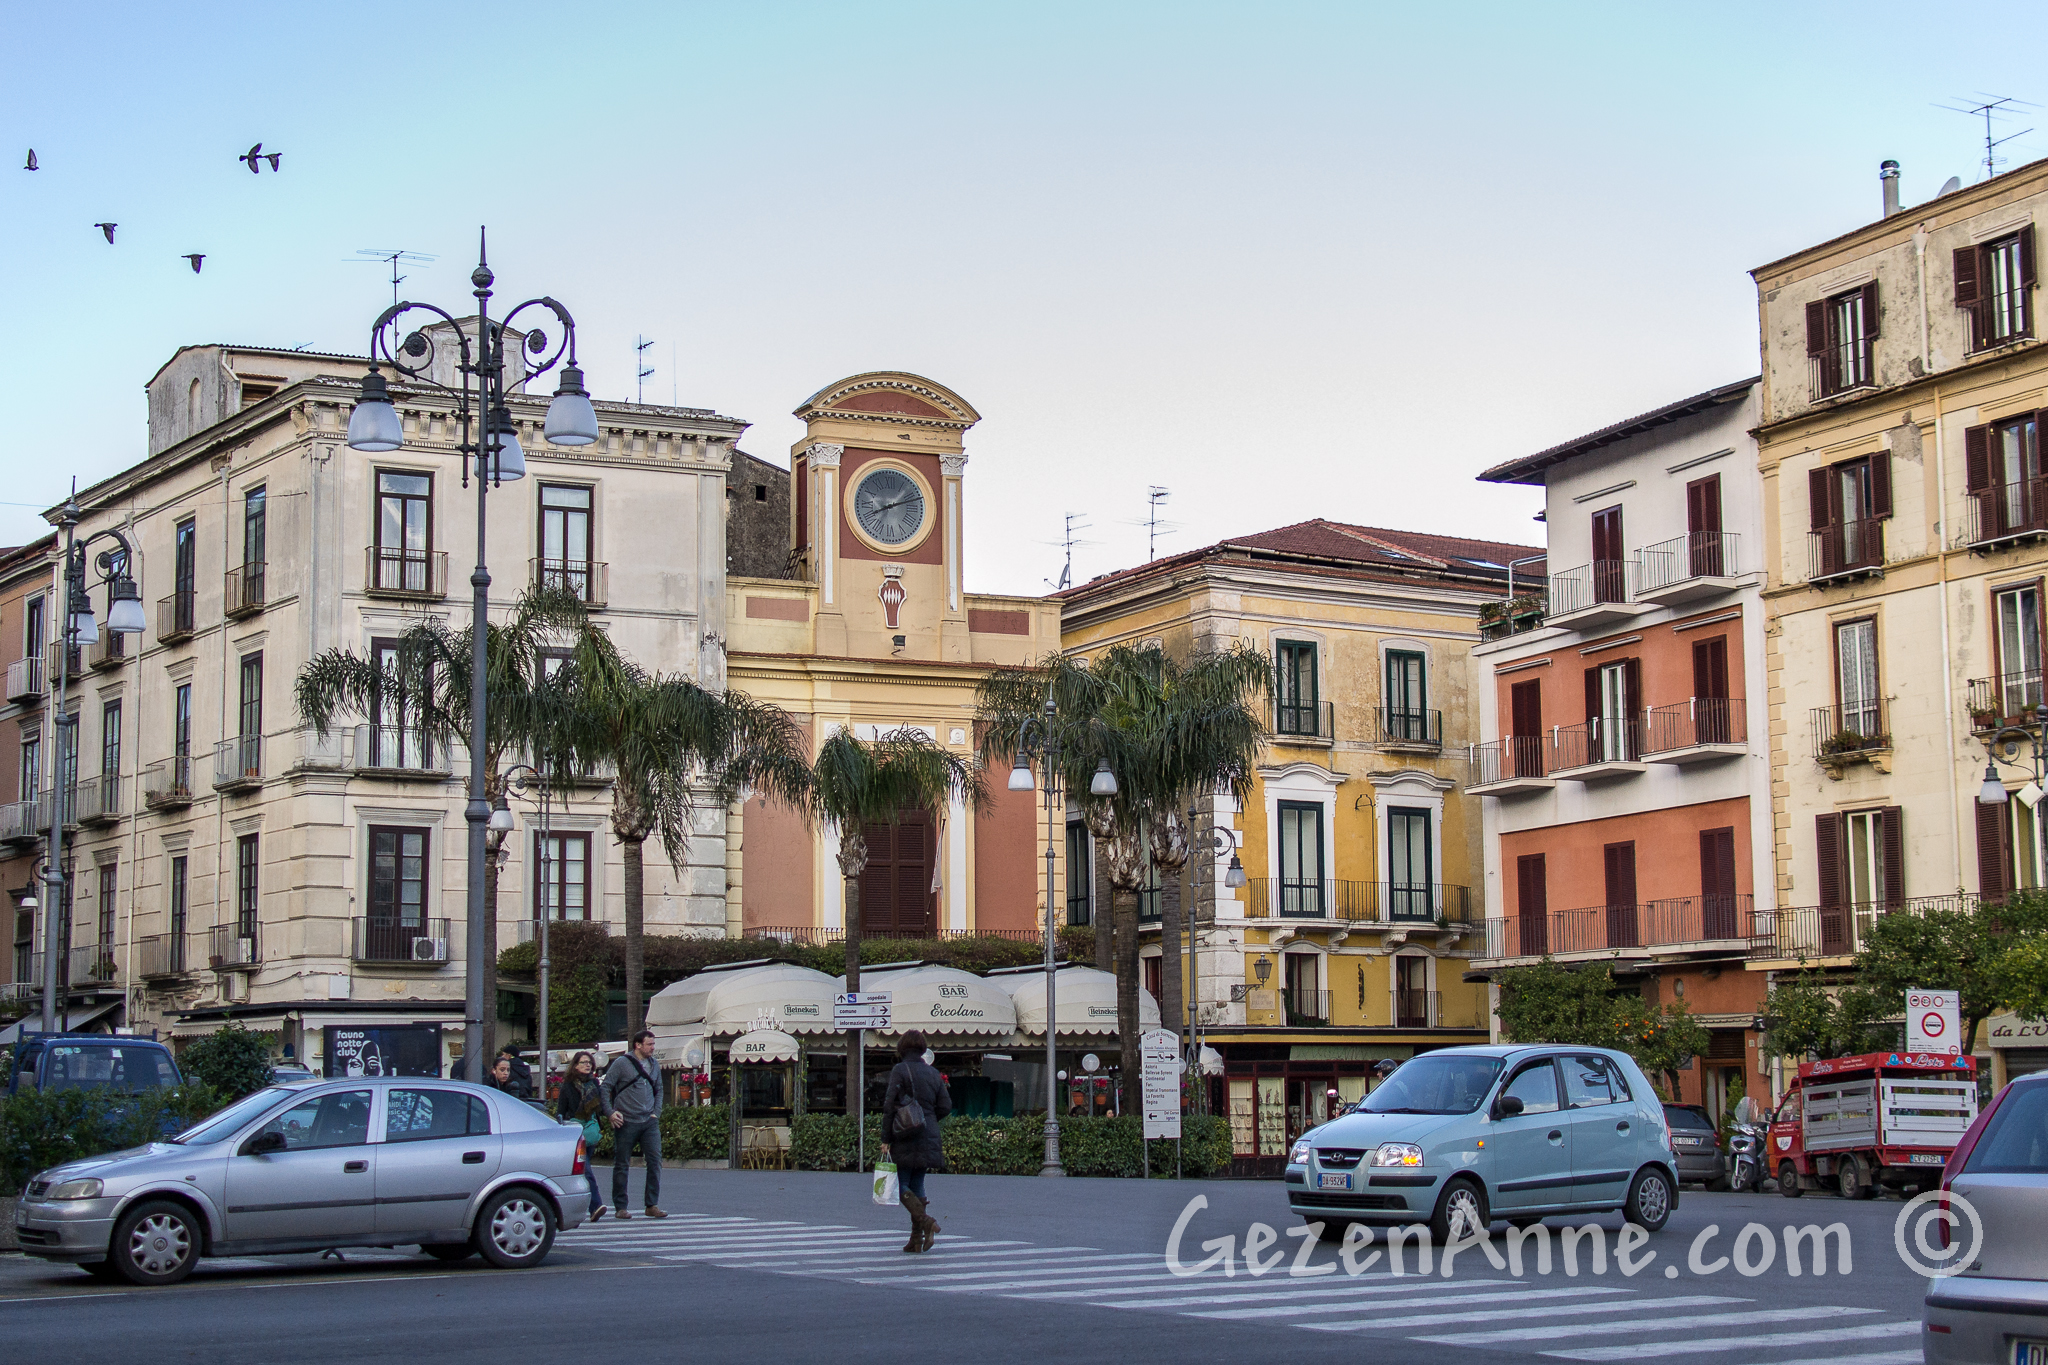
x=523, y=778
x=1220, y=840
x=78, y=629
x=490, y=450
x=2008, y=739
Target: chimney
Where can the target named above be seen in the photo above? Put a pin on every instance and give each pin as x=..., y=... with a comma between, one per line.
x=1888, y=172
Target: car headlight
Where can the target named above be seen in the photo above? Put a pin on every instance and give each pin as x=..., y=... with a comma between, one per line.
x=1397, y=1154
x=76, y=1189
x=1299, y=1156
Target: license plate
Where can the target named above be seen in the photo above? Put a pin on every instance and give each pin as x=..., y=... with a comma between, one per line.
x=1685, y=1142
x=1928, y=1159
x=1333, y=1182
x=2030, y=1353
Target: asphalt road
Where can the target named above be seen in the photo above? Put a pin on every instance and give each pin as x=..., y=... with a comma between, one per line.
x=756, y=1265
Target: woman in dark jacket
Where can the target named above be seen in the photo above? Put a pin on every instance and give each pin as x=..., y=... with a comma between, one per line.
x=578, y=1100
x=919, y=1149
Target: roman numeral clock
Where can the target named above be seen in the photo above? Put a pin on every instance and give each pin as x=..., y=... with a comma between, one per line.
x=889, y=505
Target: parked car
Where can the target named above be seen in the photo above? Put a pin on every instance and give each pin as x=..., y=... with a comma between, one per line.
x=454, y=1168
x=1696, y=1144
x=1465, y=1135
x=114, y=1062
x=284, y=1073
x=1996, y=1308
x=1879, y=1120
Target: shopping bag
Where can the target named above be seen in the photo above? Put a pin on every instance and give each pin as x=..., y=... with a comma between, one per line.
x=885, y=1183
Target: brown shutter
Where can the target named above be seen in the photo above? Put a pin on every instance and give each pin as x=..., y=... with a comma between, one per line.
x=1592, y=676
x=1977, y=458
x=1870, y=312
x=2027, y=260
x=1827, y=848
x=1632, y=698
x=1819, y=507
x=1532, y=905
x=1894, y=856
x=878, y=878
x=1621, y=873
x=1710, y=667
x=1994, y=848
x=1881, y=484
x=1965, y=266
x=1817, y=328
x=1717, y=862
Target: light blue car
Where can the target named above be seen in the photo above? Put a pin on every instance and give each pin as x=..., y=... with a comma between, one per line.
x=1467, y=1135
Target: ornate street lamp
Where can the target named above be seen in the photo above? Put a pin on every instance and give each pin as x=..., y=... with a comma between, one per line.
x=2008, y=740
x=490, y=450
x=525, y=779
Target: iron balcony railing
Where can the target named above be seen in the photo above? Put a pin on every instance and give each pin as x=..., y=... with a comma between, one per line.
x=394, y=938
x=403, y=750
x=60, y=803
x=109, y=651
x=815, y=935
x=1695, y=722
x=1417, y=1009
x=1845, y=732
x=1560, y=932
x=238, y=762
x=1841, y=367
x=167, y=783
x=1813, y=931
x=176, y=617
x=1304, y=719
x=25, y=679
x=22, y=822
x=232, y=945
x=1699, y=554
x=1398, y=727
x=1512, y=759
x=71, y=660
x=391, y=572
x=160, y=955
x=92, y=964
x=1845, y=550
x=242, y=591
x=1697, y=919
x=1604, y=580
x=2008, y=511
x=1304, y=1008
x=583, y=577
x=2006, y=700
x=99, y=800
x=1366, y=902
x=1604, y=739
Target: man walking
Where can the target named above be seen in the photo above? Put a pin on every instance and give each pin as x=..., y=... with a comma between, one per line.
x=632, y=1096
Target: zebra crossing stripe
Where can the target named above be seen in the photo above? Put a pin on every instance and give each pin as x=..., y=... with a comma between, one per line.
x=1028, y=1252
x=1101, y=1280
x=1662, y=1324
x=1516, y=1295
x=1250, y=1291
x=1495, y=1315
x=1867, y=1332
x=1064, y=1265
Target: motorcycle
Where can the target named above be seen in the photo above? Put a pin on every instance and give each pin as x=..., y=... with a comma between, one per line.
x=1746, y=1147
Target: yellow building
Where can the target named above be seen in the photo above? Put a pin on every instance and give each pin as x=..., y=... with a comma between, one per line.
x=1350, y=940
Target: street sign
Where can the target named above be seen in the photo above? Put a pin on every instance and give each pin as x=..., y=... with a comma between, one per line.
x=1159, y=1051
x=863, y=998
x=1934, y=1022
x=861, y=1009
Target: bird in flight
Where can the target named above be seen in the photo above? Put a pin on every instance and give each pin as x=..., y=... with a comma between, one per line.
x=196, y=257
x=256, y=156
x=107, y=228
x=31, y=166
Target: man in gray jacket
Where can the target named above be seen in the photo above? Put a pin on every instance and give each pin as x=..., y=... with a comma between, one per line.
x=632, y=1096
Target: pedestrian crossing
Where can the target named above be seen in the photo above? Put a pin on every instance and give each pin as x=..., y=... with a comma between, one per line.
x=1595, y=1319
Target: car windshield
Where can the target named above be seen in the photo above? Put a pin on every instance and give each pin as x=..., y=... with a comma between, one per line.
x=127, y=1069
x=1435, y=1085
x=1678, y=1116
x=2015, y=1141
x=223, y=1123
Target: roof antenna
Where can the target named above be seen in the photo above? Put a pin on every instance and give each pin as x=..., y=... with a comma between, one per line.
x=1993, y=107
x=642, y=371
x=1068, y=542
x=1155, y=499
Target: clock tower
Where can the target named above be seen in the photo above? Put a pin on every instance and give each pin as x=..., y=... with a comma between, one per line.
x=875, y=516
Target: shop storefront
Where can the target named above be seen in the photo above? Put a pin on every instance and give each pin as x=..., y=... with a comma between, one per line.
x=1275, y=1092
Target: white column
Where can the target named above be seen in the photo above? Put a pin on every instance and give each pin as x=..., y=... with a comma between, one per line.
x=956, y=863
x=952, y=466
x=824, y=460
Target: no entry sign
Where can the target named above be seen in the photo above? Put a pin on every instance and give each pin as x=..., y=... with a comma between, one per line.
x=1934, y=1022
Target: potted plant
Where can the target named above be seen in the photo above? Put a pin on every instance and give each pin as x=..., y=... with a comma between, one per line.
x=1984, y=717
x=1844, y=742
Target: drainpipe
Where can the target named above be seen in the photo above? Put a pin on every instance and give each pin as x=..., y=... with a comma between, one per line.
x=1948, y=692
x=1530, y=559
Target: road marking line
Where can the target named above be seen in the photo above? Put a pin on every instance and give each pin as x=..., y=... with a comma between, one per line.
x=1495, y=1315
x=1364, y=1285
x=1066, y=1264
x=1612, y=1328
x=1516, y=1295
x=1678, y=1348
x=1029, y=1251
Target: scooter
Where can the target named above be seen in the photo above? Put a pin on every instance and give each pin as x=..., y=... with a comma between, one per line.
x=1746, y=1148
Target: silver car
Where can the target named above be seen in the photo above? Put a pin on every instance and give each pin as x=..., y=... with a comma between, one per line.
x=457, y=1169
x=1996, y=1308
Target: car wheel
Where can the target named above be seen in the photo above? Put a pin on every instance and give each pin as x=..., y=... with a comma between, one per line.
x=515, y=1229
x=1788, y=1180
x=1332, y=1229
x=1649, y=1199
x=1460, y=1212
x=156, y=1243
x=449, y=1251
x=1849, y=1180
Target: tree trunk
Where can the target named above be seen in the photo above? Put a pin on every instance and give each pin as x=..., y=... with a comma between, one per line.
x=636, y=925
x=1171, y=963
x=487, y=1030
x=1105, y=930
x=853, y=860
x=1128, y=1026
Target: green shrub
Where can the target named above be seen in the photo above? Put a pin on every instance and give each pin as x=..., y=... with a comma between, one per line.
x=1016, y=1146
x=232, y=1060
x=696, y=1133
x=824, y=1142
x=44, y=1128
x=577, y=1000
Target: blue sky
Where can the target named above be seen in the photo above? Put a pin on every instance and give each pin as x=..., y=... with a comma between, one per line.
x=1287, y=260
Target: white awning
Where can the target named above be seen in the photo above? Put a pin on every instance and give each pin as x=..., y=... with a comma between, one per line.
x=673, y=1043
x=1212, y=1061
x=73, y=1022
x=1085, y=998
x=943, y=1001
x=682, y=1002
x=764, y=1045
x=796, y=999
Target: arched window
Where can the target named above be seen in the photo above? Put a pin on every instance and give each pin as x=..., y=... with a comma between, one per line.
x=192, y=408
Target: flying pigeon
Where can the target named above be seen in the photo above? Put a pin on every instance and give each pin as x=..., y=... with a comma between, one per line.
x=256, y=156
x=273, y=158
x=107, y=228
x=31, y=160
x=196, y=257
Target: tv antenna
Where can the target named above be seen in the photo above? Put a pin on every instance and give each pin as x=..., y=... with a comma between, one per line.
x=642, y=371
x=394, y=257
x=1991, y=109
x=1155, y=499
x=1068, y=541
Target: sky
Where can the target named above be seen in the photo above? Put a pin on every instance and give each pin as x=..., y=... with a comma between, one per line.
x=1285, y=260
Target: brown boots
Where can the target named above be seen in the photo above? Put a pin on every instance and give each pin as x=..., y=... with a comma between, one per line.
x=922, y=1228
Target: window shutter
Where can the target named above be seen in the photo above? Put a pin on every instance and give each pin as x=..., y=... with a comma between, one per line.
x=1817, y=328
x=1965, y=267
x=1881, y=484
x=1977, y=458
x=1994, y=874
x=1870, y=328
x=2027, y=259
x=1818, y=508
x=1827, y=848
x=1592, y=694
x=1632, y=687
x=1894, y=856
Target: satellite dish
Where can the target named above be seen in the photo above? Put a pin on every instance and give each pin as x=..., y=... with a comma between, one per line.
x=1949, y=186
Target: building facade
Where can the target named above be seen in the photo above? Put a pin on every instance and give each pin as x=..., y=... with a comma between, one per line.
x=1360, y=916
x=26, y=604
x=1623, y=766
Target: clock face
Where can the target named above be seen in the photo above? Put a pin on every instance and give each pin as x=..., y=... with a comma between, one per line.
x=889, y=505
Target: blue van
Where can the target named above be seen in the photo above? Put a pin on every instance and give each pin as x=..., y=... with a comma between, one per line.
x=115, y=1062
x=1464, y=1136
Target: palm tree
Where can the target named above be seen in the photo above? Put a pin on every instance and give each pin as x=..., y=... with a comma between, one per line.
x=857, y=783
x=420, y=687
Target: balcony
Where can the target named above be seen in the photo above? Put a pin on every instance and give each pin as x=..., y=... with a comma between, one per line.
x=1846, y=551
x=583, y=577
x=71, y=661
x=1698, y=921
x=238, y=763
x=91, y=964
x=1304, y=722
x=1599, y=750
x=60, y=803
x=2008, y=514
x=1400, y=731
x=1594, y=595
x=1858, y=733
x=25, y=680
x=1601, y=929
x=417, y=574
x=242, y=591
x=1416, y=1009
x=1698, y=730
x=1357, y=902
x=1690, y=568
x=231, y=947
x=99, y=800
x=1516, y=766
x=1809, y=932
x=385, y=938
x=1304, y=1008
x=399, y=752
x=167, y=783
x=2009, y=700
x=22, y=822
x=176, y=617
x=109, y=651
x=160, y=956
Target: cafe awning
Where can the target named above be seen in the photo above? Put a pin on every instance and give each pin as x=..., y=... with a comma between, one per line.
x=1085, y=998
x=796, y=1000
x=673, y=1048
x=943, y=1002
x=764, y=1045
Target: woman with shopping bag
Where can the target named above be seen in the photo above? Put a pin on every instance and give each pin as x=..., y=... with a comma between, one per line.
x=578, y=1101
x=916, y=1101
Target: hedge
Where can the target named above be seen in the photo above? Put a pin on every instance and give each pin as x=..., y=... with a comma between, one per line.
x=700, y=1133
x=1016, y=1146
x=44, y=1128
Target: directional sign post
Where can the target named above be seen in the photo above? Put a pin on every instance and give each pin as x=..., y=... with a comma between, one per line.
x=1934, y=1022
x=861, y=1010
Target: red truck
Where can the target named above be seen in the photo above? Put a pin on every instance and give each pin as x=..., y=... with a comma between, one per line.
x=1882, y=1119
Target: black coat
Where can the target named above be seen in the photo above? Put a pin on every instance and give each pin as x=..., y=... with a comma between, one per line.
x=917, y=1079
x=578, y=1100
